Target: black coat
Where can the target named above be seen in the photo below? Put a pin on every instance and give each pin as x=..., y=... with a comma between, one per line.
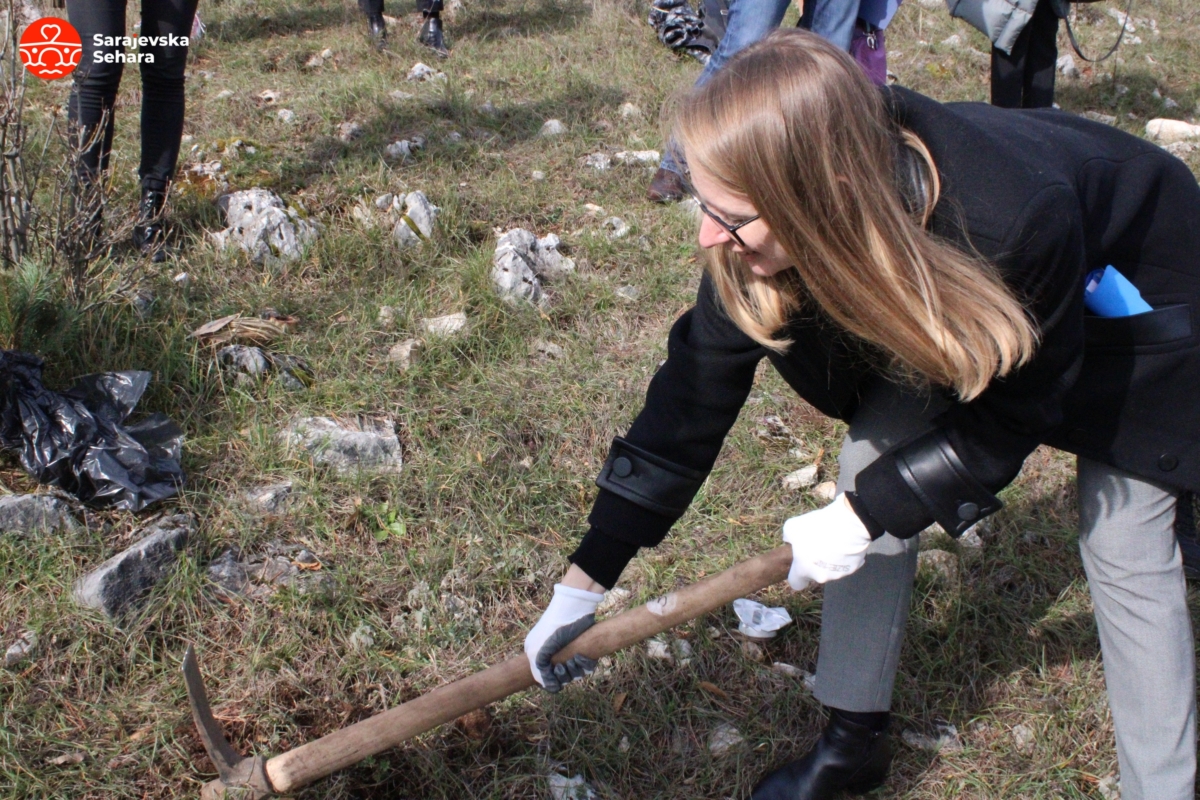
x=1045, y=195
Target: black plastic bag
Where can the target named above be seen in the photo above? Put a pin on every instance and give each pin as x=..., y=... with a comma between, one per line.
x=695, y=32
x=78, y=440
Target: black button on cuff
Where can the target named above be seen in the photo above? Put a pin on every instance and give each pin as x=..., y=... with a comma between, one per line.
x=1167, y=462
x=622, y=467
x=968, y=512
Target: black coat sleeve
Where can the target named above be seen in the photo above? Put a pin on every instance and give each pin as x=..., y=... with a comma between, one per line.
x=977, y=448
x=654, y=471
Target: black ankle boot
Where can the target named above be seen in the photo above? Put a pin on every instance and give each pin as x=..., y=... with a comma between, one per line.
x=377, y=29
x=848, y=757
x=432, y=37
x=148, y=234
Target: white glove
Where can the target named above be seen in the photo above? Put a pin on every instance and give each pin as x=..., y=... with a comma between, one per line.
x=827, y=544
x=570, y=613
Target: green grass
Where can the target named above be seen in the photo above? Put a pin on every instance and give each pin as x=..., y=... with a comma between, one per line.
x=501, y=446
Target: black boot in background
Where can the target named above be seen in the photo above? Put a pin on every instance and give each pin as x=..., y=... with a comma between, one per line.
x=848, y=757
x=148, y=233
x=377, y=29
x=431, y=34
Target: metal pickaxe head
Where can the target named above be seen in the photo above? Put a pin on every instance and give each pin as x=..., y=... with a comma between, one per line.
x=241, y=778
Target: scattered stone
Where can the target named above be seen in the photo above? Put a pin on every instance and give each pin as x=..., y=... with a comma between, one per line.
x=753, y=651
x=224, y=94
x=623, y=745
x=268, y=96
x=806, y=678
x=1007, y=579
x=630, y=111
x=954, y=40
x=488, y=109
x=370, y=445
x=68, y=759
x=278, y=570
x=327, y=53
x=454, y=137
x=659, y=649
x=400, y=96
x=801, y=478
x=593, y=210
x=248, y=364
x=263, y=227
x=943, y=739
x=639, y=158
x=1034, y=538
x=538, y=175
x=315, y=61
x=614, y=600
x=1096, y=116
x=724, y=740
x=1066, y=66
x=683, y=651
x=629, y=294
x=228, y=572
x=1170, y=103
x=1024, y=738
x=269, y=499
x=29, y=515
x=616, y=227
x=404, y=354
x=522, y=261
x=417, y=222
x=183, y=280
x=20, y=650
x=564, y=788
x=445, y=326
x=1110, y=787
x=349, y=131
x=942, y=565
x=422, y=72
x=306, y=558
x=1181, y=149
x=362, y=639
x=1169, y=131
x=286, y=115
x=598, y=161
x=547, y=350
x=386, y=318
x=401, y=150
x=552, y=127
x=826, y=491
x=117, y=585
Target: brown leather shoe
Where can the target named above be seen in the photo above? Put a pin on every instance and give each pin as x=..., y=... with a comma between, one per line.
x=666, y=187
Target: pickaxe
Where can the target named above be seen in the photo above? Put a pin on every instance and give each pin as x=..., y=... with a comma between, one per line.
x=253, y=778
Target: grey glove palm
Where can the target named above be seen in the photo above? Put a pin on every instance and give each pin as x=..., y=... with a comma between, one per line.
x=570, y=613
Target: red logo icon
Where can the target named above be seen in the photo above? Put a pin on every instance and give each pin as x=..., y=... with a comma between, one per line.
x=51, y=48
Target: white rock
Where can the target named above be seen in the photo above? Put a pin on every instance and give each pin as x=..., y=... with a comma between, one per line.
x=615, y=599
x=598, y=161
x=724, y=740
x=1170, y=103
x=630, y=111
x=616, y=227
x=1110, y=787
x=315, y=61
x=550, y=350
x=564, y=788
x=826, y=491
x=269, y=499
x=538, y=175
x=806, y=678
x=1096, y=116
x=552, y=127
x=327, y=53
x=183, y=280
x=1181, y=149
x=385, y=201
x=522, y=261
x=400, y=96
x=362, y=639
x=286, y=115
x=263, y=227
x=1169, y=131
x=21, y=649
x=404, y=354
x=445, y=326
x=423, y=72
x=953, y=40
x=401, y=150
x=623, y=745
x=386, y=317
x=659, y=649
x=224, y=94
x=349, y=131
x=421, y=212
x=1066, y=66
x=944, y=739
x=1024, y=738
x=368, y=445
x=269, y=96
x=454, y=137
x=683, y=651
x=35, y=515
x=801, y=478
x=645, y=158
x=629, y=294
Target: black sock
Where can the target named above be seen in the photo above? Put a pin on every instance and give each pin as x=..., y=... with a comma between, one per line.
x=876, y=721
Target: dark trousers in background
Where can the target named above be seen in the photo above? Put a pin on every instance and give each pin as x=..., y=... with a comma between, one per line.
x=94, y=90
x=373, y=7
x=1025, y=78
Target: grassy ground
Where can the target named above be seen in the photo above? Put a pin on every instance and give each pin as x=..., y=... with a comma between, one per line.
x=501, y=444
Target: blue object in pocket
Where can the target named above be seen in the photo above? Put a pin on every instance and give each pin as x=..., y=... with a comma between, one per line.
x=1108, y=293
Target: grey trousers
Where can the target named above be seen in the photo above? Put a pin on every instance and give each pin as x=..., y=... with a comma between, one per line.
x=1135, y=574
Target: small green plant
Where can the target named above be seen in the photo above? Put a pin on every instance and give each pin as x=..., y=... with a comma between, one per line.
x=390, y=522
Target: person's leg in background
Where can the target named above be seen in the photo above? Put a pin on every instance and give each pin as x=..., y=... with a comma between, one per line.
x=1135, y=574
x=747, y=22
x=376, y=27
x=832, y=20
x=90, y=108
x=431, y=34
x=863, y=618
x=1041, y=58
x=162, y=116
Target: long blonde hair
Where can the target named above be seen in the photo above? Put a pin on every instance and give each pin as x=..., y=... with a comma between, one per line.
x=793, y=125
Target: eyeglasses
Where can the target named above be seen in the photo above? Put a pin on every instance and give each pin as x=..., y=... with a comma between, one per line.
x=732, y=230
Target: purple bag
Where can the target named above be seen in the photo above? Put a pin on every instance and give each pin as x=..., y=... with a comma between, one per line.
x=868, y=48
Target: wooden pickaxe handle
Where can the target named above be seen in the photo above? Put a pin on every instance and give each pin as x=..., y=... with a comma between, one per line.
x=289, y=771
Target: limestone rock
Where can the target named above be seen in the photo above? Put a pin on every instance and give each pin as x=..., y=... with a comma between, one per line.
x=349, y=131
x=416, y=224
x=801, y=478
x=522, y=261
x=616, y=228
x=404, y=354
x=20, y=650
x=552, y=127
x=1024, y=738
x=117, y=585
x=826, y=491
x=598, y=161
x=636, y=158
x=27, y=515
x=274, y=498
x=422, y=72
x=564, y=788
x=263, y=227
x=629, y=111
x=942, y=739
x=445, y=326
x=942, y=565
x=1066, y=66
x=1169, y=131
x=724, y=740
x=370, y=445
